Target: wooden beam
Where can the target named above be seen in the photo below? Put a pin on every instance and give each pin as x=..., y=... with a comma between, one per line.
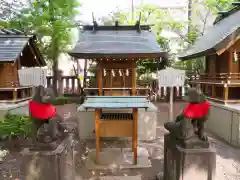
x=37, y=51
x=33, y=52
x=135, y=135
x=231, y=43
x=97, y=133
x=15, y=95
x=118, y=64
x=213, y=91
x=111, y=78
x=225, y=93
x=230, y=59
x=99, y=78
x=134, y=84
x=137, y=56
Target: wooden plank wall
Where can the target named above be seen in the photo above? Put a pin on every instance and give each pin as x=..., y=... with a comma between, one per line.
x=9, y=74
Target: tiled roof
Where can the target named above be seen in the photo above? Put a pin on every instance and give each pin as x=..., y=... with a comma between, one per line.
x=116, y=40
x=12, y=43
x=216, y=38
x=235, y=7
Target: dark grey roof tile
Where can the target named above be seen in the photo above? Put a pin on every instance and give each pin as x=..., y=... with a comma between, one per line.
x=116, y=41
x=223, y=31
x=10, y=48
x=12, y=43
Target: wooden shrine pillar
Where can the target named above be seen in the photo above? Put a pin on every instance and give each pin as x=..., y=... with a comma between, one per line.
x=135, y=117
x=100, y=78
x=213, y=91
x=134, y=81
x=230, y=59
x=225, y=92
x=97, y=133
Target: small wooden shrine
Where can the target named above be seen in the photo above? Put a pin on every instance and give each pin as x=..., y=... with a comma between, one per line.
x=17, y=51
x=221, y=48
x=116, y=49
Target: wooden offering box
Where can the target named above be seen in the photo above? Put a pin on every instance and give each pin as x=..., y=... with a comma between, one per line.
x=116, y=124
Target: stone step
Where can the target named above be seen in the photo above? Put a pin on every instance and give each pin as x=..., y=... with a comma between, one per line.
x=114, y=158
x=120, y=178
x=159, y=176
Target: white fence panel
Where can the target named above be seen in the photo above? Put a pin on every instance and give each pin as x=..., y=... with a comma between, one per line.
x=171, y=77
x=32, y=76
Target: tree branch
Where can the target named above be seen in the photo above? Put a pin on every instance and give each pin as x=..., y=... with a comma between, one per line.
x=205, y=21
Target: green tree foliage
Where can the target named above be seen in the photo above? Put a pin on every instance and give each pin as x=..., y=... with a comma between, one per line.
x=217, y=5
x=52, y=21
x=148, y=14
x=8, y=10
x=204, y=12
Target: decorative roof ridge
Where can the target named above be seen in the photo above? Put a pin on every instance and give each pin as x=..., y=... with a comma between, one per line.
x=10, y=31
x=225, y=14
x=116, y=28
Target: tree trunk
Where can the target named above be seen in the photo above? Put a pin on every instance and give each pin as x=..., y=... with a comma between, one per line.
x=55, y=54
x=189, y=62
x=132, y=10
x=55, y=76
x=54, y=50
x=85, y=73
x=77, y=76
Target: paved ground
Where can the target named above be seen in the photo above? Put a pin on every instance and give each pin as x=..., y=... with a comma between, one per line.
x=228, y=158
x=227, y=162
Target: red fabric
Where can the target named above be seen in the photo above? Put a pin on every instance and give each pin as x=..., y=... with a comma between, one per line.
x=42, y=111
x=197, y=110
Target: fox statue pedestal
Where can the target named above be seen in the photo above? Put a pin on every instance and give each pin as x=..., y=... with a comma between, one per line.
x=180, y=163
x=187, y=151
x=50, y=155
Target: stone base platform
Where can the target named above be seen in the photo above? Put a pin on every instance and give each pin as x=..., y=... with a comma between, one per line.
x=45, y=164
x=111, y=158
x=187, y=164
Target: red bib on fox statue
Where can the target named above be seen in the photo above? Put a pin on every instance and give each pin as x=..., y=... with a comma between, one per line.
x=198, y=106
x=191, y=121
x=196, y=111
x=42, y=111
x=46, y=123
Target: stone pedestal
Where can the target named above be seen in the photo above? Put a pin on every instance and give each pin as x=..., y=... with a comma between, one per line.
x=55, y=164
x=188, y=163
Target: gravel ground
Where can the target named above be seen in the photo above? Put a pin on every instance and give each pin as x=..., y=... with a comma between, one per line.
x=227, y=168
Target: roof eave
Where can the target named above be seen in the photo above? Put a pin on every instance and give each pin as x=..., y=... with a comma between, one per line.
x=197, y=55
x=118, y=55
x=36, y=49
x=214, y=49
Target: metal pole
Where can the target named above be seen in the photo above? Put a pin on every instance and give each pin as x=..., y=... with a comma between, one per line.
x=132, y=10
x=171, y=104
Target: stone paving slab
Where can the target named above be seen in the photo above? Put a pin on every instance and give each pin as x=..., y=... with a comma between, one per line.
x=110, y=158
x=228, y=158
x=120, y=178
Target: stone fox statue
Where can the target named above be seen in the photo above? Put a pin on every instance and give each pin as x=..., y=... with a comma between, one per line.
x=46, y=123
x=191, y=121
